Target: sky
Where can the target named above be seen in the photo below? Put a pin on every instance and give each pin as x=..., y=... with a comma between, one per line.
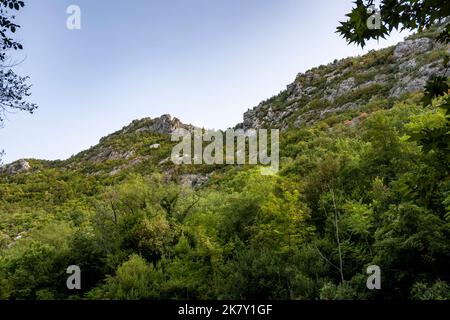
x=205, y=62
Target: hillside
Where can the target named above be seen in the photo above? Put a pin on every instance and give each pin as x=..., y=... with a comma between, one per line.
x=364, y=180
x=349, y=84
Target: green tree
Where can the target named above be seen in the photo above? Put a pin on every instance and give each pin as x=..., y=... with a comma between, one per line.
x=135, y=279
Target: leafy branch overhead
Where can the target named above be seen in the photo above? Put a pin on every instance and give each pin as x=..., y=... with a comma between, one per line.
x=7, y=26
x=13, y=90
x=413, y=15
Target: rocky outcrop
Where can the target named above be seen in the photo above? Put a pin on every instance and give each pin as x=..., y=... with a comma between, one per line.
x=105, y=154
x=193, y=180
x=16, y=167
x=165, y=124
x=107, y=150
x=412, y=47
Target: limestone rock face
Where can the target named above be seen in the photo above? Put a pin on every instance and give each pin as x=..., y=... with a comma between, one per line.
x=16, y=167
x=165, y=124
x=409, y=47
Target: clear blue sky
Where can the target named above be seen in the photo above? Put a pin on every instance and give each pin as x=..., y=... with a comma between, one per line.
x=203, y=61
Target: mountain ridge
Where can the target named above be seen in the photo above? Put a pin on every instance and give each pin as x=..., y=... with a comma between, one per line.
x=318, y=93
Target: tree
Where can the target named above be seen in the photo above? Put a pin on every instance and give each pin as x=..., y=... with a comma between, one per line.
x=135, y=279
x=13, y=88
x=7, y=26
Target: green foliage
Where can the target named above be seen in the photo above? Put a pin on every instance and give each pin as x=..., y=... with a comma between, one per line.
x=437, y=291
x=364, y=94
x=135, y=279
x=355, y=29
x=14, y=89
x=436, y=86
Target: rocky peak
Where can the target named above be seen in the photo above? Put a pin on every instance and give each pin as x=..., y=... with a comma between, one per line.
x=164, y=124
x=110, y=148
x=16, y=167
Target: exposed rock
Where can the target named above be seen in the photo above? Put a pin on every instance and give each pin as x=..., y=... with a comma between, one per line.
x=109, y=154
x=331, y=76
x=193, y=180
x=394, y=71
x=115, y=155
x=415, y=46
x=408, y=85
x=380, y=78
x=346, y=86
x=166, y=160
x=163, y=125
x=155, y=146
x=347, y=106
x=431, y=68
x=16, y=167
x=251, y=120
x=408, y=65
x=114, y=171
x=295, y=91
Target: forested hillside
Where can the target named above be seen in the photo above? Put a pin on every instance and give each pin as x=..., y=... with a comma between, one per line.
x=364, y=180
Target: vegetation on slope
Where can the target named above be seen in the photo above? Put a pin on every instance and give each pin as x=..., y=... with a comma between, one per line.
x=373, y=183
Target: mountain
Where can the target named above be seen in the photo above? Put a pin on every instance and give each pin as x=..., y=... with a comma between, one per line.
x=349, y=84
x=142, y=141
x=363, y=181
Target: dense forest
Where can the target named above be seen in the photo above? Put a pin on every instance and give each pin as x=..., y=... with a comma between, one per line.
x=357, y=186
